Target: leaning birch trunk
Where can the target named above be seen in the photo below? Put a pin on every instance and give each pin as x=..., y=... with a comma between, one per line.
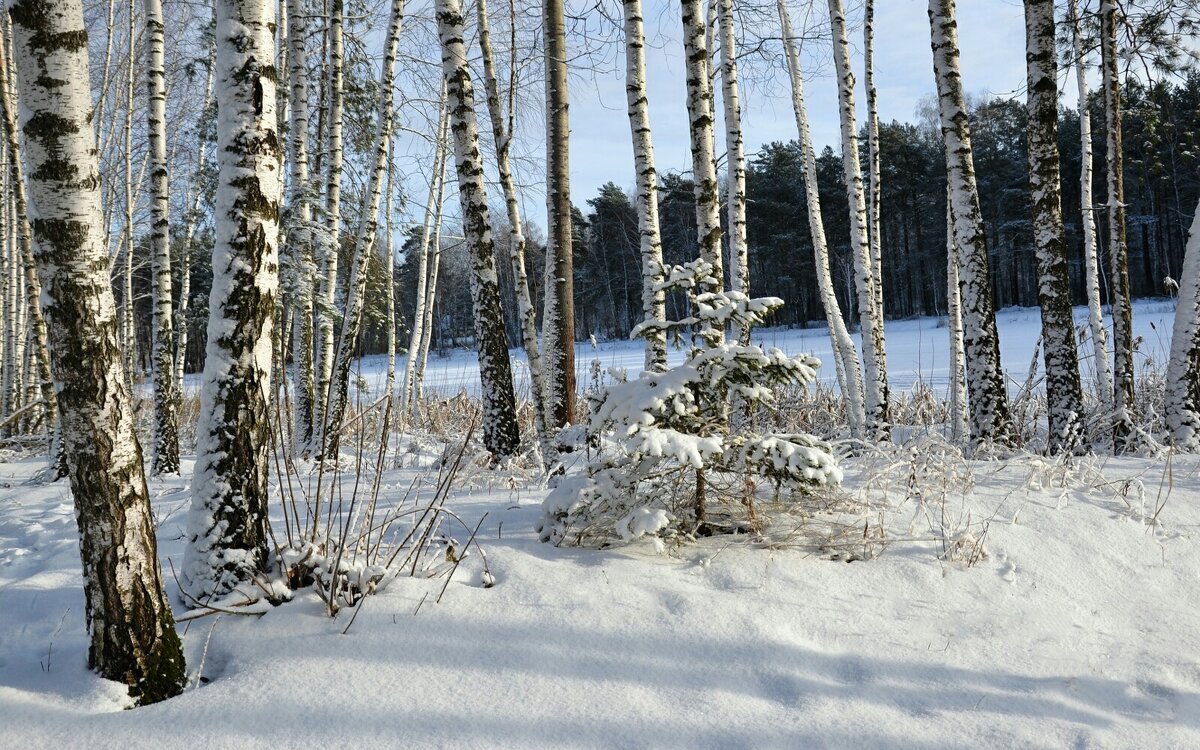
x=874, y=188
x=299, y=238
x=409, y=393
x=1118, y=251
x=1064, y=394
x=327, y=289
x=653, y=298
x=1183, y=368
x=500, y=432
x=132, y=631
x=24, y=239
x=844, y=352
x=990, y=419
x=700, y=133
x=516, y=241
x=735, y=158
x=558, y=317
x=1091, y=261
x=871, y=322
x=128, y=330
x=166, y=433
x=435, y=259
x=959, y=429
x=364, y=242
x=228, y=523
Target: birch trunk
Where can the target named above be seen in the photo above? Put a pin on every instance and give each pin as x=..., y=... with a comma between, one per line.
x=516, y=240
x=844, y=352
x=990, y=419
x=653, y=298
x=166, y=433
x=1104, y=382
x=132, y=631
x=364, y=242
x=1183, y=367
x=735, y=158
x=500, y=432
x=435, y=260
x=127, y=322
x=300, y=240
x=327, y=290
x=874, y=360
x=959, y=429
x=700, y=133
x=1064, y=394
x=228, y=524
x=1118, y=251
x=874, y=168
x=558, y=320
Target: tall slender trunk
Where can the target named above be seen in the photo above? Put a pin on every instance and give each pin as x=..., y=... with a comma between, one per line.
x=1118, y=250
x=653, y=298
x=990, y=419
x=435, y=259
x=166, y=434
x=1064, y=394
x=128, y=329
x=500, y=432
x=228, y=524
x=871, y=323
x=844, y=352
x=327, y=289
x=364, y=242
x=874, y=167
x=957, y=396
x=132, y=631
x=1183, y=366
x=700, y=133
x=735, y=158
x=558, y=319
x=516, y=240
x=1091, y=261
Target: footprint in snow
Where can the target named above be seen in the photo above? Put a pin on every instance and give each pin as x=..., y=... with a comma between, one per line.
x=1008, y=571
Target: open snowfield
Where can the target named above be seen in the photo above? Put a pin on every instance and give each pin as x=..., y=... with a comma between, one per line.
x=1065, y=617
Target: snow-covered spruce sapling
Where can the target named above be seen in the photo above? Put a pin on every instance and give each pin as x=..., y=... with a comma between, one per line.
x=661, y=447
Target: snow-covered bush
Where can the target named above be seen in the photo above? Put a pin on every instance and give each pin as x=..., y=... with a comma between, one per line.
x=661, y=449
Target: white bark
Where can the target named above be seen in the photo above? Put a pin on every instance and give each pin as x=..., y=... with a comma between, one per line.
x=844, y=351
x=700, y=133
x=327, y=289
x=874, y=168
x=735, y=158
x=1183, y=367
x=957, y=396
x=871, y=322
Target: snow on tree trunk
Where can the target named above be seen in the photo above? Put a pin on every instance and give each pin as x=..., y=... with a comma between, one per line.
x=132, y=631
x=435, y=259
x=327, y=289
x=364, y=242
x=653, y=298
x=228, y=524
x=981, y=343
x=516, y=240
x=700, y=132
x=871, y=322
x=558, y=317
x=1118, y=251
x=1064, y=394
x=874, y=167
x=844, y=351
x=299, y=237
x=735, y=157
x=1104, y=382
x=959, y=429
x=1183, y=367
x=166, y=434
x=500, y=431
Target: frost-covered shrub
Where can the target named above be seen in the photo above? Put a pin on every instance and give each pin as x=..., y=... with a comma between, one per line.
x=661, y=448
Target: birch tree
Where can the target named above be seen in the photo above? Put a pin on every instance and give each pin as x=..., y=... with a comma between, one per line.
x=874, y=168
x=500, y=431
x=558, y=319
x=649, y=233
x=364, y=242
x=735, y=157
x=1091, y=261
x=959, y=429
x=1064, y=395
x=845, y=354
x=327, y=288
x=700, y=134
x=228, y=523
x=981, y=343
x=1118, y=249
x=870, y=316
x=1183, y=366
x=132, y=632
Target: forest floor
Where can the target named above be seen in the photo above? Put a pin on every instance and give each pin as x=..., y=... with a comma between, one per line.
x=1021, y=602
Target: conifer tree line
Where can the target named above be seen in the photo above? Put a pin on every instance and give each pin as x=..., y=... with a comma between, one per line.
x=219, y=191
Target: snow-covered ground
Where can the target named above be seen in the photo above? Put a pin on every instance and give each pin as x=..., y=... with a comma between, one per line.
x=1077, y=629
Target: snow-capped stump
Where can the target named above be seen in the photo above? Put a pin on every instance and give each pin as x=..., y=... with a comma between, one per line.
x=661, y=449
